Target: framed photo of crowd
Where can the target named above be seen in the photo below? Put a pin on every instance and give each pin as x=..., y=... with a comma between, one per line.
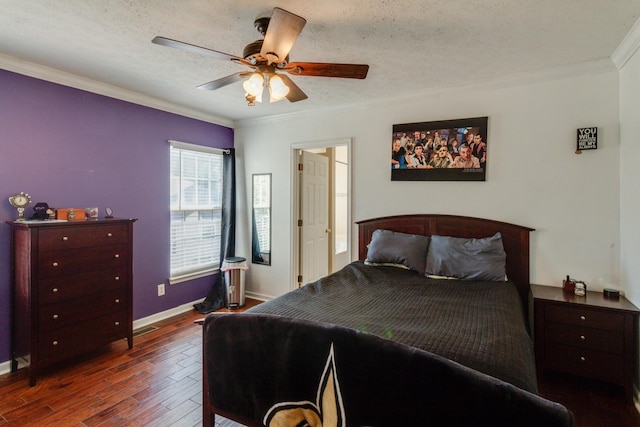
x=446, y=150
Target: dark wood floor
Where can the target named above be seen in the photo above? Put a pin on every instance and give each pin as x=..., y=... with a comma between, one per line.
x=158, y=383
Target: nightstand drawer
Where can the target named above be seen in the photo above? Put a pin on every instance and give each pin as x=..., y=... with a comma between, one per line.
x=579, y=336
x=584, y=317
x=586, y=363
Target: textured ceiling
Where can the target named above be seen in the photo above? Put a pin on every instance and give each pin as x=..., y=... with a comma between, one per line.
x=410, y=45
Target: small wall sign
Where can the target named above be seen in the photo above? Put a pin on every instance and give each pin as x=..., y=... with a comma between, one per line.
x=587, y=139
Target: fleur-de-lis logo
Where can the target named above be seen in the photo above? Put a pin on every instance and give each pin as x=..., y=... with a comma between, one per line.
x=327, y=411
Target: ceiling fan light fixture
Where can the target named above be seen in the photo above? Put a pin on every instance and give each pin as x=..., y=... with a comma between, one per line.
x=277, y=88
x=253, y=87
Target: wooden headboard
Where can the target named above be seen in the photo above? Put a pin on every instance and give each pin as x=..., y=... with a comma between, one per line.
x=515, y=239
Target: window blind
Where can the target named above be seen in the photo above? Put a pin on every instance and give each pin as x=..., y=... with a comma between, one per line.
x=196, y=210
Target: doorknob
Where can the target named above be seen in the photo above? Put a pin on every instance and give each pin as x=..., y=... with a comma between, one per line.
x=328, y=230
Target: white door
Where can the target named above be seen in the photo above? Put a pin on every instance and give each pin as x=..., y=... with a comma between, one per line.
x=314, y=239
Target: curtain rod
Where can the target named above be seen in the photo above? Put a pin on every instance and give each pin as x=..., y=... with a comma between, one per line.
x=196, y=147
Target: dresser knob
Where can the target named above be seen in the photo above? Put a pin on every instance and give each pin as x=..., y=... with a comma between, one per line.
x=583, y=318
x=117, y=278
x=582, y=337
x=109, y=235
x=55, y=343
x=583, y=359
x=65, y=238
x=55, y=264
x=117, y=323
x=55, y=316
x=117, y=301
x=117, y=255
x=55, y=290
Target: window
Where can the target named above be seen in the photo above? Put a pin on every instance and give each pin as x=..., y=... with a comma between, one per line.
x=196, y=210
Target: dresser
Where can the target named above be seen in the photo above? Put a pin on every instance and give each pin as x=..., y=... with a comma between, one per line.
x=71, y=289
x=589, y=336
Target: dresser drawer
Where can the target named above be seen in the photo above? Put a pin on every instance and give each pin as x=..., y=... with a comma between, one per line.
x=584, y=317
x=66, y=313
x=580, y=336
x=82, y=260
x=586, y=363
x=81, y=337
x=79, y=285
x=79, y=237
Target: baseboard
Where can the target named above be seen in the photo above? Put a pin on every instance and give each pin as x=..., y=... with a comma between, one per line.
x=258, y=297
x=137, y=324
x=5, y=367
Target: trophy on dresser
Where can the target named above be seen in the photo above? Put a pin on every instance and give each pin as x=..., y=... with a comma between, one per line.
x=20, y=201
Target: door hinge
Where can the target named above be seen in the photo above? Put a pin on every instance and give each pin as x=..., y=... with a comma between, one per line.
x=299, y=223
x=300, y=167
x=299, y=279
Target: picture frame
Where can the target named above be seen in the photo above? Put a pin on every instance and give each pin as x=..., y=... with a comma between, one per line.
x=587, y=139
x=448, y=150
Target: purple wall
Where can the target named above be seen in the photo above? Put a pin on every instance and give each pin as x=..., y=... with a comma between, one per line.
x=72, y=148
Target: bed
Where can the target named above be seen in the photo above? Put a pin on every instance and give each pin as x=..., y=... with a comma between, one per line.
x=412, y=333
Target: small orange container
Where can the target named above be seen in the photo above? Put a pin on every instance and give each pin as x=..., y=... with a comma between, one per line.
x=63, y=213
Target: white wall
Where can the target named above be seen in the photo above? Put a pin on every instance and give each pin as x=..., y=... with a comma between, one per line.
x=630, y=177
x=533, y=177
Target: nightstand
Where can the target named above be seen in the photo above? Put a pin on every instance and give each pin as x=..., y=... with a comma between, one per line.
x=589, y=336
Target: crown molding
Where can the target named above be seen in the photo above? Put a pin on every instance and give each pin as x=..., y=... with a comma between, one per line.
x=627, y=47
x=53, y=75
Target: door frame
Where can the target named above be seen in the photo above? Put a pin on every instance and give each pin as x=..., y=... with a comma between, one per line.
x=295, y=198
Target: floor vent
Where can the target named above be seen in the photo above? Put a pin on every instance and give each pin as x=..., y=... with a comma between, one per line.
x=144, y=330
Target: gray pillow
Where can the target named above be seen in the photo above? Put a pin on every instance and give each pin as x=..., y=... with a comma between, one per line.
x=474, y=259
x=390, y=247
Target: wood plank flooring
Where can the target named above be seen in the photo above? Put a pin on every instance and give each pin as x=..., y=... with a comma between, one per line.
x=158, y=383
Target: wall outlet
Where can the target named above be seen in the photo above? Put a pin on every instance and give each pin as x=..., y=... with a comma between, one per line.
x=161, y=289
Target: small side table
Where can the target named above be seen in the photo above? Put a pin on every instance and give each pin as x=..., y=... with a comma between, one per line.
x=589, y=336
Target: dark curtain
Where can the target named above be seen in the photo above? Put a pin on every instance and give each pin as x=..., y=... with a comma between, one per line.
x=217, y=296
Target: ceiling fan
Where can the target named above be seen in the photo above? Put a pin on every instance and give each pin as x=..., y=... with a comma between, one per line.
x=268, y=58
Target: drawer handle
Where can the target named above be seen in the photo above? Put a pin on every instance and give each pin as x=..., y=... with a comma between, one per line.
x=55, y=343
x=55, y=290
x=583, y=359
x=55, y=316
x=65, y=238
x=582, y=337
x=109, y=234
x=117, y=301
x=117, y=278
x=583, y=317
x=117, y=323
x=117, y=255
x=55, y=264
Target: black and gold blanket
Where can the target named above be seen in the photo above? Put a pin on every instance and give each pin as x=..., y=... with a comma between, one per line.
x=379, y=346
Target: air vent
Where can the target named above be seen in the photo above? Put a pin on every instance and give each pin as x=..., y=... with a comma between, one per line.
x=144, y=330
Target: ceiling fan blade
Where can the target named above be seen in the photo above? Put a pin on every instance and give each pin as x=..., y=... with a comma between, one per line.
x=195, y=49
x=321, y=69
x=224, y=81
x=282, y=32
x=295, y=93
